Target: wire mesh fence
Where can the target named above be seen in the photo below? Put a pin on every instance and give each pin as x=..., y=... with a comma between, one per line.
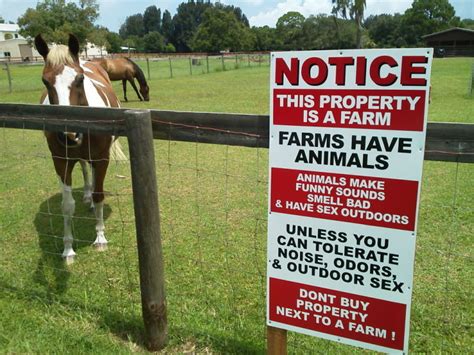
x=17, y=77
x=213, y=202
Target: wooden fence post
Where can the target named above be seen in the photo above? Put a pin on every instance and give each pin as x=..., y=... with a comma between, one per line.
x=171, y=68
x=147, y=219
x=207, y=63
x=190, y=66
x=276, y=341
x=7, y=68
x=223, y=64
x=248, y=59
x=471, y=82
x=148, y=67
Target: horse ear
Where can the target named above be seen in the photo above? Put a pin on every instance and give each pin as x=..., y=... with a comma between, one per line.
x=41, y=46
x=73, y=45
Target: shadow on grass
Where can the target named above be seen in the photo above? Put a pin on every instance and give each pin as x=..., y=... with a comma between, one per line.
x=52, y=276
x=51, y=271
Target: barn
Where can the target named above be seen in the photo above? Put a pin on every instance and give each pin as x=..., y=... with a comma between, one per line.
x=454, y=42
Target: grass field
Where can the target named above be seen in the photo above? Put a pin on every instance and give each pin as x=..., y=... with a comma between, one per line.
x=213, y=203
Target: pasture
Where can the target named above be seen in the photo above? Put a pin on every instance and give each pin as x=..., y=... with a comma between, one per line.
x=213, y=202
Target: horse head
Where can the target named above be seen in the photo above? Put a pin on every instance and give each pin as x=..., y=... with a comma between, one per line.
x=62, y=73
x=145, y=91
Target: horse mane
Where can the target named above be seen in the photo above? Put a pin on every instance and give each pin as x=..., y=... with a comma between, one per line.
x=59, y=55
x=138, y=73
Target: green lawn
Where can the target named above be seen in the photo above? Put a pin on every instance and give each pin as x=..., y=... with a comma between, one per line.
x=213, y=203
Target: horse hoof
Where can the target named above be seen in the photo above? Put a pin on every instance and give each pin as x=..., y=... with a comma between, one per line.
x=69, y=260
x=100, y=246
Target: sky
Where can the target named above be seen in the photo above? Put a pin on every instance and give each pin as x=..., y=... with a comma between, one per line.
x=259, y=12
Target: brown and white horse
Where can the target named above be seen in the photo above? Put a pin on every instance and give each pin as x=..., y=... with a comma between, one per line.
x=70, y=81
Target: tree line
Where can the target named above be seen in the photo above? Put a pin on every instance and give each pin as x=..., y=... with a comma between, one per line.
x=203, y=26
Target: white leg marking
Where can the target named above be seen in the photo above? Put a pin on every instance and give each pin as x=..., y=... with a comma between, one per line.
x=87, y=183
x=100, y=242
x=68, y=207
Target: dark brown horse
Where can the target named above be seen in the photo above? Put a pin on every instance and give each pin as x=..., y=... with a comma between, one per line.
x=70, y=81
x=126, y=70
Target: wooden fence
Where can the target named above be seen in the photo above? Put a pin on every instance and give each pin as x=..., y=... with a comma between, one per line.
x=176, y=65
x=142, y=56
x=452, y=142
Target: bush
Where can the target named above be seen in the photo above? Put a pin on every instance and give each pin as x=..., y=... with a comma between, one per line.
x=169, y=48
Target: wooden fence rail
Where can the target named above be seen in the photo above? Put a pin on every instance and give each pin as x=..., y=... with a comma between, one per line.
x=444, y=142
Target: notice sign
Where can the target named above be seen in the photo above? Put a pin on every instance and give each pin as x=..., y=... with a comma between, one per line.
x=347, y=134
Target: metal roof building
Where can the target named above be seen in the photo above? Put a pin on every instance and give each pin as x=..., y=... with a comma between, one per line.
x=454, y=41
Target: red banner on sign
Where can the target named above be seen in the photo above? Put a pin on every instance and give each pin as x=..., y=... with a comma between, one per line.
x=368, y=109
x=382, y=202
x=337, y=313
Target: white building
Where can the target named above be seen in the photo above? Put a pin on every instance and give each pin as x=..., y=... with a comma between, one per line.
x=9, y=31
x=93, y=51
x=13, y=45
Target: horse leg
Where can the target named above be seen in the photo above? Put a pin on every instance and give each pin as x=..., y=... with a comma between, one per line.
x=64, y=170
x=99, y=169
x=132, y=82
x=124, y=84
x=88, y=187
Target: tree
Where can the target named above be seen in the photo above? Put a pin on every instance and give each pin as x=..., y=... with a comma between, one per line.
x=167, y=27
x=133, y=26
x=425, y=17
x=2, y=20
x=468, y=23
x=169, y=48
x=385, y=30
x=135, y=42
x=319, y=33
x=55, y=19
x=153, y=42
x=98, y=36
x=152, y=19
x=189, y=16
x=186, y=21
x=289, y=28
x=355, y=10
x=237, y=11
x=266, y=39
x=221, y=30
x=114, y=42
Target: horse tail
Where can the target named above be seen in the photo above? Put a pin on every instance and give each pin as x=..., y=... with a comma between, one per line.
x=116, y=152
x=138, y=73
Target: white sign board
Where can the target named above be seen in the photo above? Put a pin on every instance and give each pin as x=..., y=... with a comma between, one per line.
x=347, y=134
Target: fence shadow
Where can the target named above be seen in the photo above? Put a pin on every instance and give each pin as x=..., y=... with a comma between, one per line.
x=51, y=271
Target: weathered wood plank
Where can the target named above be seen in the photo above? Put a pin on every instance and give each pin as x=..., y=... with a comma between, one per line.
x=450, y=142
x=445, y=141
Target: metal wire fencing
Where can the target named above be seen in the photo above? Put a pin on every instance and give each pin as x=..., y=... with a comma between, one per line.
x=17, y=77
x=213, y=203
